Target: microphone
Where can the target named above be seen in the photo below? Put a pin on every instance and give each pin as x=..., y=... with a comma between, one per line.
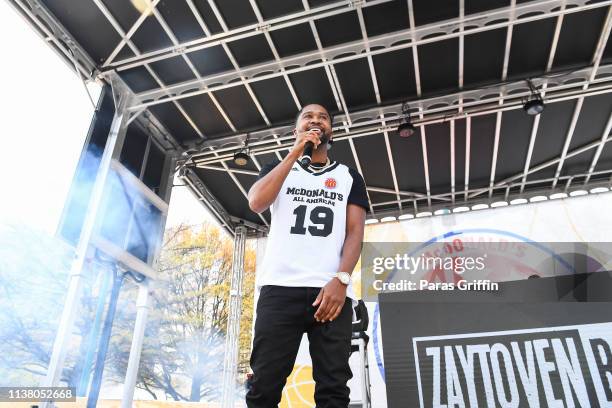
x=306, y=158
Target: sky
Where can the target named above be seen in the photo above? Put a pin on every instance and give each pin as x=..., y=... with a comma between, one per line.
x=45, y=117
x=185, y=209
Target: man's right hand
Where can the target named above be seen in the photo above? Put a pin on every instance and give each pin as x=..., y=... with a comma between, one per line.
x=302, y=138
x=263, y=193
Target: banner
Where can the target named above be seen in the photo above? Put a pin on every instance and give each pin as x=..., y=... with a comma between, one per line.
x=532, y=344
x=551, y=367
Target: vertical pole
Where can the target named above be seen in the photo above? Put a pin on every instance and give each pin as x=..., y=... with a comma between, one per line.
x=104, y=340
x=367, y=376
x=143, y=303
x=111, y=150
x=93, y=335
x=131, y=375
x=364, y=389
x=230, y=362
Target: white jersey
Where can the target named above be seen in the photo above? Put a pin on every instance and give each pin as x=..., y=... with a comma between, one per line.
x=309, y=225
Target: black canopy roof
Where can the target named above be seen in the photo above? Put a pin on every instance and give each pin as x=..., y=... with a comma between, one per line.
x=210, y=72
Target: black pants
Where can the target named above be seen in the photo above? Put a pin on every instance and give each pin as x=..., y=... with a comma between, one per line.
x=283, y=315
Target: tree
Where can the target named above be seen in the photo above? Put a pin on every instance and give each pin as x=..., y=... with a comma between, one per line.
x=33, y=282
x=184, y=346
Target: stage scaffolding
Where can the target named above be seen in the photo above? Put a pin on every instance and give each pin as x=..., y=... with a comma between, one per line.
x=471, y=168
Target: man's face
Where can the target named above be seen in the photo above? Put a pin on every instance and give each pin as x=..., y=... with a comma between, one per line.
x=315, y=116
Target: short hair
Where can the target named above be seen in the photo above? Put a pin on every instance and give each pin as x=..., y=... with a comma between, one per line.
x=331, y=117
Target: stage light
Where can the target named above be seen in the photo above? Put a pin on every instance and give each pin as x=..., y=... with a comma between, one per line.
x=534, y=107
x=535, y=104
x=241, y=158
x=405, y=128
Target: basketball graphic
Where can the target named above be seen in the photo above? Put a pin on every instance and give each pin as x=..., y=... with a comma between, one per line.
x=299, y=390
x=330, y=182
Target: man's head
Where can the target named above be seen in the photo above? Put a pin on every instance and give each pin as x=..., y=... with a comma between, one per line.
x=315, y=116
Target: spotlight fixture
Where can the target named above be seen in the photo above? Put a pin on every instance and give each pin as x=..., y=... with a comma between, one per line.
x=405, y=128
x=535, y=103
x=241, y=157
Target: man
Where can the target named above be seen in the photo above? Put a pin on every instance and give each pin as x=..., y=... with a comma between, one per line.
x=318, y=217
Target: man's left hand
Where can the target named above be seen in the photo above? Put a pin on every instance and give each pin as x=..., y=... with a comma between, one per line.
x=330, y=301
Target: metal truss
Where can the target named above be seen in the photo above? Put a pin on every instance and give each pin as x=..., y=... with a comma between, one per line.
x=536, y=119
x=596, y=61
x=209, y=154
x=208, y=199
x=228, y=36
x=410, y=38
x=52, y=31
x=432, y=202
x=87, y=236
x=75, y=56
x=599, y=149
x=277, y=58
x=128, y=35
x=230, y=358
x=417, y=79
x=501, y=195
x=468, y=144
x=514, y=15
x=152, y=126
x=233, y=61
x=90, y=239
x=475, y=192
x=174, y=40
x=230, y=56
x=413, y=36
x=378, y=101
x=476, y=102
x=498, y=117
x=501, y=189
x=64, y=44
x=460, y=80
x=505, y=182
x=203, y=194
